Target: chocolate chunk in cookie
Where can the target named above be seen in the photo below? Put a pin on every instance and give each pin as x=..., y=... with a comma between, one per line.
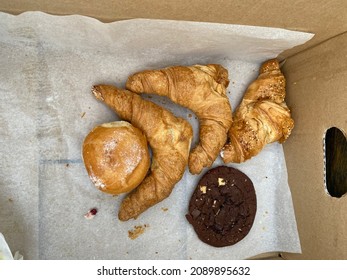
x=223, y=206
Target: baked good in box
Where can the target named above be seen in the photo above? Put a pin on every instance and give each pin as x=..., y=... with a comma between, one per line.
x=116, y=157
x=202, y=89
x=262, y=117
x=223, y=206
x=169, y=138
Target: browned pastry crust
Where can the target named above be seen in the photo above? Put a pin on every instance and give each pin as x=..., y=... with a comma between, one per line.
x=168, y=136
x=116, y=157
x=262, y=117
x=202, y=89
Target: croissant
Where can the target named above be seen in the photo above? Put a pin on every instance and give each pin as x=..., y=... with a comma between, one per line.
x=200, y=88
x=168, y=136
x=262, y=116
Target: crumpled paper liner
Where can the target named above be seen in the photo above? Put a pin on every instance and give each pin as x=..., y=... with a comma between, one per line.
x=5, y=252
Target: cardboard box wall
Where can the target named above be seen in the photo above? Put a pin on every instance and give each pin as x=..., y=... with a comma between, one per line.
x=316, y=90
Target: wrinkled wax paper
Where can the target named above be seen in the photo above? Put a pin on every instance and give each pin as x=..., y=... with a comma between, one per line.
x=47, y=67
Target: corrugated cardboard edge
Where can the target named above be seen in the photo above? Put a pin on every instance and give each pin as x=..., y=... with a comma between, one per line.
x=316, y=92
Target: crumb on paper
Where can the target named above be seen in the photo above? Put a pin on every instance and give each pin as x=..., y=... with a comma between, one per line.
x=67, y=165
x=91, y=213
x=137, y=231
x=190, y=115
x=83, y=114
x=10, y=200
x=164, y=209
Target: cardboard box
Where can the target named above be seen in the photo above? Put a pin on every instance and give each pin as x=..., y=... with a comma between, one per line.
x=316, y=87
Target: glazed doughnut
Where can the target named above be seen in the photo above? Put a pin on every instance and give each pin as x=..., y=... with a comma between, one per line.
x=116, y=157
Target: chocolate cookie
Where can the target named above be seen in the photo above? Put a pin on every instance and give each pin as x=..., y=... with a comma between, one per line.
x=223, y=206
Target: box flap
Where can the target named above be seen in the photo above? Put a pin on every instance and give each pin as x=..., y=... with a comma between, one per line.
x=313, y=16
x=316, y=84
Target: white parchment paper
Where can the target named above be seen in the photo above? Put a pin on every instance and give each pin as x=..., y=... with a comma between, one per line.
x=47, y=67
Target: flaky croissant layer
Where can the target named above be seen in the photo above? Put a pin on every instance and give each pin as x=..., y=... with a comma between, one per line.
x=202, y=89
x=261, y=118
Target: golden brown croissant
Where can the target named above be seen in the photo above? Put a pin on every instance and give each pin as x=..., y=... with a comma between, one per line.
x=168, y=136
x=200, y=88
x=262, y=117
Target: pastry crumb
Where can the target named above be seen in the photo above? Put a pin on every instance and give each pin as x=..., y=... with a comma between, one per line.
x=83, y=114
x=164, y=209
x=137, y=231
x=91, y=213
